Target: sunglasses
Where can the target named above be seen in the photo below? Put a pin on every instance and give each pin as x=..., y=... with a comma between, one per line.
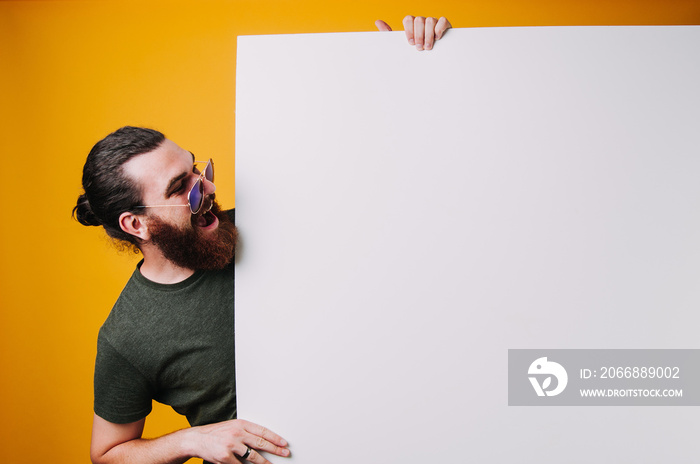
x=195, y=197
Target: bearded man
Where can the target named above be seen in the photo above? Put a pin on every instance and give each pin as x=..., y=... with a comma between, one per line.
x=170, y=335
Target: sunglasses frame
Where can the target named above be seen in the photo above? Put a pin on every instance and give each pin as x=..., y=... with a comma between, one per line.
x=199, y=183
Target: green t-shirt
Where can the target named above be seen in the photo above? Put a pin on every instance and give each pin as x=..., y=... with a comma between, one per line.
x=169, y=343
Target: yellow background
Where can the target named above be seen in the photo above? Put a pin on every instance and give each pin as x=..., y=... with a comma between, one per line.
x=73, y=71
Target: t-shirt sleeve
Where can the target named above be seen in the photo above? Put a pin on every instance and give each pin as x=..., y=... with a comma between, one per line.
x=122, y=393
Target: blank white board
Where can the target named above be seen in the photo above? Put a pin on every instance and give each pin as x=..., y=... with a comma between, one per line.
x=407, y=217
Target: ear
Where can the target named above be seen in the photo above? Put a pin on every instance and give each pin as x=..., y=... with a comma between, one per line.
x=134, y=225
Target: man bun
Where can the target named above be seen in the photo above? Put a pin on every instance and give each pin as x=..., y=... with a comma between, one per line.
x=83, y=212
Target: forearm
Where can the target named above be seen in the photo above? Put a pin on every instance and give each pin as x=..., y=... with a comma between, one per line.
x=174, y=448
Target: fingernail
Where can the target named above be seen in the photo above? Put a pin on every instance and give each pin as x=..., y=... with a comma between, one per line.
x=284, y=442
x=411, y=41
x=419, y=47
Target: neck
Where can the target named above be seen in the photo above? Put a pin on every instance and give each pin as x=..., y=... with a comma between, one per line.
x=157, y=268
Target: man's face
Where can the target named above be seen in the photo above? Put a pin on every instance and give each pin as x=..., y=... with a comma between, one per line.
x=166, y=175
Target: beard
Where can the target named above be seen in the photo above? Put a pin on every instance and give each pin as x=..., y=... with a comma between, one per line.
x=190, y=248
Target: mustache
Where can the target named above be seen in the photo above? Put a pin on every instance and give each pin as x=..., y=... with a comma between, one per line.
x=207, y=204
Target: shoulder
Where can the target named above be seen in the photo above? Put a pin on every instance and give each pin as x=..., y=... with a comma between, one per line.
x=132, y=300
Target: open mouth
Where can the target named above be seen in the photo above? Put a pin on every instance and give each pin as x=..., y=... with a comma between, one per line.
x=208, y=219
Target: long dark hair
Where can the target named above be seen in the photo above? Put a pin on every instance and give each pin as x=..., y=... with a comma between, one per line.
x=108, y=191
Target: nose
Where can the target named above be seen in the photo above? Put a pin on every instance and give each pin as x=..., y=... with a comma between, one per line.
x=209, y=187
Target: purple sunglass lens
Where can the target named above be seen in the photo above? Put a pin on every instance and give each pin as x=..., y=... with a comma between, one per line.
x=196, y=196
x=209, y=171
